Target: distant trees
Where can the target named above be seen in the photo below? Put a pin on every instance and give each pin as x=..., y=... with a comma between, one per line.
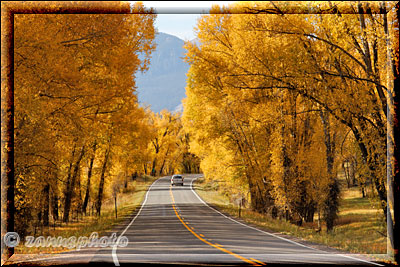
x=273, y=99
x=168, y=149
x=276, y=105
x=79, y=131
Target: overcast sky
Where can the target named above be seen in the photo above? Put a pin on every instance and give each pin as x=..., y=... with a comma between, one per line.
x=180, y=25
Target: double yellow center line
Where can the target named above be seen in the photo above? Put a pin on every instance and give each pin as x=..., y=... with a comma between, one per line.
x=251, y=261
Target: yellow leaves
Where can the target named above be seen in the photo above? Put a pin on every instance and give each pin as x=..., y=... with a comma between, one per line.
x=167, y=142
x=257, y=82
x=73, y=88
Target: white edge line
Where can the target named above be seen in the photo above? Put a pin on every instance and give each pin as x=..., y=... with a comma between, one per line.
x=114, y=250
x=288, y=240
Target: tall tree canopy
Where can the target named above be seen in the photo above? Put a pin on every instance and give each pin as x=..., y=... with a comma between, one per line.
x=271, y=97
x=75, y=107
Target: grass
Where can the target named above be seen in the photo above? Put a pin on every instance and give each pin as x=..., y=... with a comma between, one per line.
x=359, y=228
x=128, y=200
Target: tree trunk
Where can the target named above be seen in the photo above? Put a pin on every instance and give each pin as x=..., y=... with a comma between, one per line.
x=309, y=216
x=346, y=170
x=101, y=184
x=115, y=206
x=332, y=200
x=54, y=199
x=393, y=172
x=145, y=168
x=79, y=199
x=161, y=168
x=153, y=169
x=353, y=172
x=68, y=186
x=163, y=164
x=55, y=206
x=70, y=189
x=46, y=204
x=87, y=194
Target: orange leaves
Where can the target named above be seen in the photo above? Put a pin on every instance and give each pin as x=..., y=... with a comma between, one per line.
x=74, y=86
x=258, y=82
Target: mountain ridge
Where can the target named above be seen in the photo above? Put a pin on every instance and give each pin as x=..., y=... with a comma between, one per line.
x=162, y=86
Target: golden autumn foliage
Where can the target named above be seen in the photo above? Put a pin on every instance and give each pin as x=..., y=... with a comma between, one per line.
x=77, y=120
x=168, y=149
x=282, y=98
x=272, y=99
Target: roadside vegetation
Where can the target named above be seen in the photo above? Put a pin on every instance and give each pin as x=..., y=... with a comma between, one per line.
x=128, y=201
x=82, y=140
x=358, y=229
x=289, y=113
x=290, y=108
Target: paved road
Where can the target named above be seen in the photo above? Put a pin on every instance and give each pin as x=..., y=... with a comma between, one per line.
x=174, y=225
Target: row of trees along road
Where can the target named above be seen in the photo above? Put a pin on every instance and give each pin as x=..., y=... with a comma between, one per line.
x=275, y=105
x=77, y=120
x=275, y=102
x=80, y=134
x=168, y=149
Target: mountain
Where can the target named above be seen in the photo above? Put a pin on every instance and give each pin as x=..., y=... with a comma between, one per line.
x=163, y=85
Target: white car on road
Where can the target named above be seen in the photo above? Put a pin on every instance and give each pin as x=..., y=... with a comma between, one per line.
x=177, y=179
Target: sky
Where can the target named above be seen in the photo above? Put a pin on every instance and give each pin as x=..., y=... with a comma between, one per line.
x=180, y=25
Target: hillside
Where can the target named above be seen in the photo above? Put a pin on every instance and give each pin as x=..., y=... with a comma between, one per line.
x=163, y=85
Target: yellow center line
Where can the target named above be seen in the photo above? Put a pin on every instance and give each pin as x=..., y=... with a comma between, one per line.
x=260, y=262
x=217, y=246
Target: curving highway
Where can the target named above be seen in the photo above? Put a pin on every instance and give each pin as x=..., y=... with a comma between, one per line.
x=175, y=226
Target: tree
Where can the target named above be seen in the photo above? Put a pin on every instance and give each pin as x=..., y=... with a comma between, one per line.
x=297, y=70
x=64, y=113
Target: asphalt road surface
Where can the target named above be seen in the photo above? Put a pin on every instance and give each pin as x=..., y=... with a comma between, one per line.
x=175, y=226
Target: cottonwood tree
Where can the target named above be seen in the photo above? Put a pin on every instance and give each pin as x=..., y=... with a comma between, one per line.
x=313, y=80
x=74, y=79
